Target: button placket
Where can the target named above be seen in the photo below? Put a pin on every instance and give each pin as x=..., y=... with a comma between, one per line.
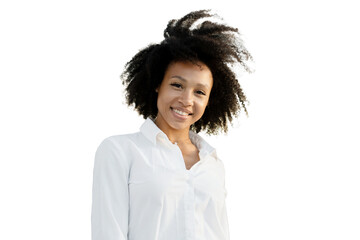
x=181, y=158
x=189, y=207
x=189, y=196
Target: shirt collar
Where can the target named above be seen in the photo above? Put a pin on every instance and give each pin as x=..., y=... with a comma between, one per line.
x=151, y=132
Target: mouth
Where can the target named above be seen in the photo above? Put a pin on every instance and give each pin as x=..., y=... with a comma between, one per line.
x=181, y=112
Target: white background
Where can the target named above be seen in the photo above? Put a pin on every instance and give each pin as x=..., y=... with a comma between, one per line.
x=292, y=167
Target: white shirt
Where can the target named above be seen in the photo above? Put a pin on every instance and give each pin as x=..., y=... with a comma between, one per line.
x=143, y=191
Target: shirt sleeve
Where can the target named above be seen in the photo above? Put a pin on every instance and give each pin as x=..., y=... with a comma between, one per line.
x=225, y=219
x=110, y=195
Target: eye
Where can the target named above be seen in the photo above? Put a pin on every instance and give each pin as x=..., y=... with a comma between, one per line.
x=176, y=85
x=200, y=92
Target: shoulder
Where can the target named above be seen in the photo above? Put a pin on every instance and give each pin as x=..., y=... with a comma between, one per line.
x=115, y=148
x=120, y=141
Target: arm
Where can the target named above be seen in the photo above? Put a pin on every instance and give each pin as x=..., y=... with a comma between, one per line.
x=110, y=196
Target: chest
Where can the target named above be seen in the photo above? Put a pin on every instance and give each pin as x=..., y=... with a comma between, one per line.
x=162, y=191
x=190, y=157
x=161, y=174
x=168, y=167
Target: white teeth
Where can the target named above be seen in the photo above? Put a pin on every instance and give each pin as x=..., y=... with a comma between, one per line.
x=180, y=112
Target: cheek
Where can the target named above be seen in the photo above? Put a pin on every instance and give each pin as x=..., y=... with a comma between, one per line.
x=201, y=104
x=167, y=97
x=163, y=100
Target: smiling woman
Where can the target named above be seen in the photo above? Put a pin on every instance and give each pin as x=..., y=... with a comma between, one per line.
x=165, y=181
x=182, y=97
x=217, y=46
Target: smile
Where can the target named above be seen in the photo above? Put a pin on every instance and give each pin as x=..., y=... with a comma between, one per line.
x=180, y=112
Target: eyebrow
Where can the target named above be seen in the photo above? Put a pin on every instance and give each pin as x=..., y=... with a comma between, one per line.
x=184, y=80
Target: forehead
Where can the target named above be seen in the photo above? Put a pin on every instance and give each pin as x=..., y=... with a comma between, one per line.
x=191, y=73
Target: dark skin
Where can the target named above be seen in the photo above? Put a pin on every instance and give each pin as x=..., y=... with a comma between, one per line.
x=182, y=99
x=190, y=154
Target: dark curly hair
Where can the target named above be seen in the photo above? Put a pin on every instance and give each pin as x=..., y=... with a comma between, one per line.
x=216, y=45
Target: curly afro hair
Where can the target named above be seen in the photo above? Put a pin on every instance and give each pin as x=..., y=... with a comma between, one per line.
x=216, y=45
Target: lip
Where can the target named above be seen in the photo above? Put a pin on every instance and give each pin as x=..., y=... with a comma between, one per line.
x=178, y=116
x=181, y=109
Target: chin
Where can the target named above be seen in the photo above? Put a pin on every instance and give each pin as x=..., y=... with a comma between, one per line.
x=179, y=126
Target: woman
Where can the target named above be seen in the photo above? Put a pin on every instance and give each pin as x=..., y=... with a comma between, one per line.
x=165, y=182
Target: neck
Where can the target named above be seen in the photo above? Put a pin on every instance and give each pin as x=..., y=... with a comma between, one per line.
x=179, y=136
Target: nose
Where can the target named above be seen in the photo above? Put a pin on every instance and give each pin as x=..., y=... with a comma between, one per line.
x=186, y=98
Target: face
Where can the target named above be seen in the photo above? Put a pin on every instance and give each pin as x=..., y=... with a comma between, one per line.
x=183, y=95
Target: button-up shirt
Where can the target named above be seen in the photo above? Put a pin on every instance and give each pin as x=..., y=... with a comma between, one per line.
x=143, y=191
